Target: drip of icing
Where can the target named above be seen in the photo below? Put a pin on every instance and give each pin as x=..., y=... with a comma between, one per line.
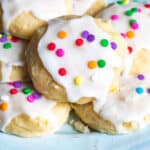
x=81, y=6
x=122, y=25
x=11, y=57
x=43, y=9
x=96, y=82
x=18, y=104
x=127, y=105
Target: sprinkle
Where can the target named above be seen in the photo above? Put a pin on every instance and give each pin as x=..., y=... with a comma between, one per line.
x=27, y=91
x=126, y=1
x=134, y=10
x=36, y=95
x=30, y=99
x=104, y=42
x=17, y=84
x=62, y=34
x=101, y=63
x=60, y=52
x=121, y=2
x=128, y=13
x=148, y=90
x=114, y=17
x=7, y=45
x=114, y=89
x=139, y=90
x=140, y=77
x=4, y=106
x=132, y=21
x=9, y=37
x=51, y=46
x=79, y=42
x=147, y=5
x=85, y=34
x=3, y=39
x=140, y=10
x=90, y=38
x=62, y=71
x=130, y=49
x=135, y=26
x=123, y=35
x=15, y=39
x=130, y=34
x=113, y=45
x=92, y=64
x=13, y=91
x=78, y=80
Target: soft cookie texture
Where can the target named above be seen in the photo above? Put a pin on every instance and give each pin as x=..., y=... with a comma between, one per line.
x=70, y=59
x=25, y=112
x=23, y=17
x=12, y=59
x=127, y=108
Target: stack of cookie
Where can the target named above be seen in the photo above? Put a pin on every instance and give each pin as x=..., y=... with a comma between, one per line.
x=97, y=65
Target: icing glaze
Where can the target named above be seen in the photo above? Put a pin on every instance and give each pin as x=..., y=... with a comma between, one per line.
x=22, y=99
x=84, y=64
x=11, y=54
x=128, y=105
x=43, y=9
x=81, y=6
x=124, y=20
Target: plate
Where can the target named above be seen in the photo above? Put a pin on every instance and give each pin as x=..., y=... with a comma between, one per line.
x=68, y=139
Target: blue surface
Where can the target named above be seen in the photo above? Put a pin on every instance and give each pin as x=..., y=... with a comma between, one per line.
x=68, y=139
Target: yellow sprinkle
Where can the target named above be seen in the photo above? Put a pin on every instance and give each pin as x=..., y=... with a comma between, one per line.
x=114, y=89
x=9, y=37
x=78, y=80
x=0, y=35
x=126, y=1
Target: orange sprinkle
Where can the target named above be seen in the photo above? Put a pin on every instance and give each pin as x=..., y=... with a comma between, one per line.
x=62, y=34
x=130, y=34
x=92, y=64
x=3, y=106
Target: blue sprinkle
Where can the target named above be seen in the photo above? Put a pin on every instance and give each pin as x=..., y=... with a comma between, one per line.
x=139, y=90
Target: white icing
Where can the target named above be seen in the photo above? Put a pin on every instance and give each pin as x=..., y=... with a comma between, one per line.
x=122, y=25
x=81, y=6
x=43, y=9
x=11, y=57
x=96, y=82
x=126, y=105
x=18, y=104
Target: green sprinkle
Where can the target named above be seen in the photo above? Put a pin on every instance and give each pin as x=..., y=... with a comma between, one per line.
x=128, y=13
x=101, y=63
x=132, y=21
x=104, y=42
x=27, y=91
x=121, y=2
x=7, y=45
x=134, y=10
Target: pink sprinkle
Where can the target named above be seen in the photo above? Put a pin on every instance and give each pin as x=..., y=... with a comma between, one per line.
x=10, y=83
x=60, y=52
x=135, y=26
x=140, y=10
x=30, y=99
x=123, y=35
x=114, y=17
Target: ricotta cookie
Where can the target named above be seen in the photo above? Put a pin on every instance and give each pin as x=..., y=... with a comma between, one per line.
x=25, y=112
x=75, y=59
x=12, y=60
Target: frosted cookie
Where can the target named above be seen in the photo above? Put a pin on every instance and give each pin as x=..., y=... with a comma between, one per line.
x=75, y=59
x=25, y=112
x=90, y=7
x=12, y=65
x=23, y=17
x=125, y=110
x=133, y=22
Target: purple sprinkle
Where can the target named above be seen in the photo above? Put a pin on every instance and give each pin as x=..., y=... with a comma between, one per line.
x=148, y=90
x=91, y=38
x=30, y=99
x=3, y=39
x=141, y=77
x=85, y=34
x=17, y=84
x=36, y=95
x=113, y=45
x=123, y=35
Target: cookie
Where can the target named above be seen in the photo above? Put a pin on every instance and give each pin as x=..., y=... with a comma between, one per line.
x=71, y=58
x=25, y=112
x=12, y=61
x=23, y=17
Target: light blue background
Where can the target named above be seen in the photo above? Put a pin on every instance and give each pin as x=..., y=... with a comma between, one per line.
x=68, y=139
